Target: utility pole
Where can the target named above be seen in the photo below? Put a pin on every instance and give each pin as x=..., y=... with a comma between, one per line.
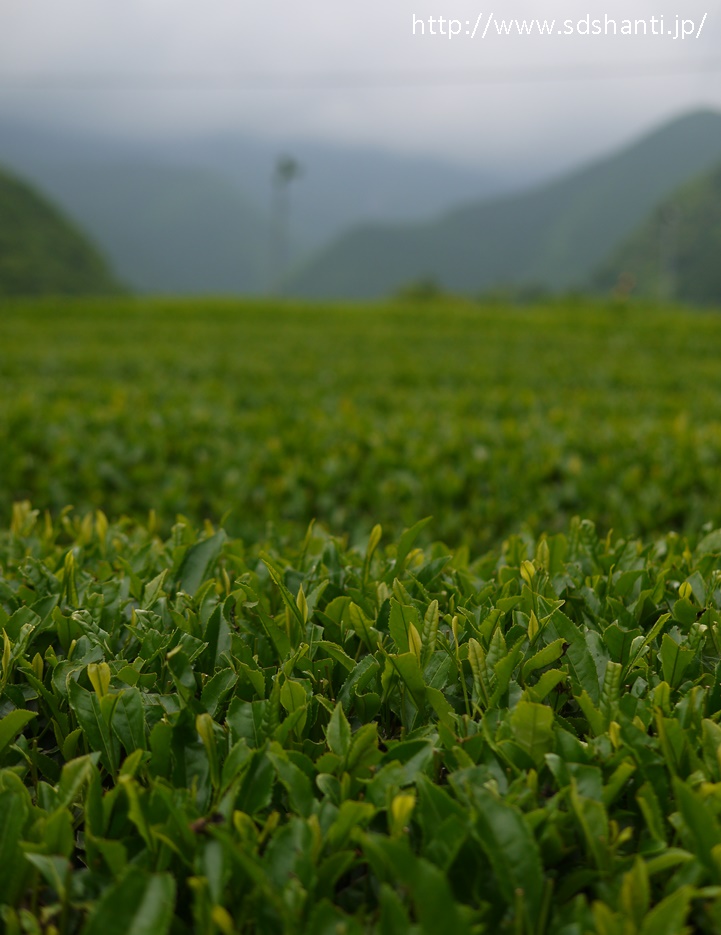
x=286, y=170
x=667, y=254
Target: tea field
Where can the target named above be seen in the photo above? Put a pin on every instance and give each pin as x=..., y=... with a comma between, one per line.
x=269, y=417
x=344, y=621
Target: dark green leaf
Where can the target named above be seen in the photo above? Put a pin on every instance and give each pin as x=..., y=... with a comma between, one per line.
x=139, y=904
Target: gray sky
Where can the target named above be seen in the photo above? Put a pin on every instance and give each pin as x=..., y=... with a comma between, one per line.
x=353, y=72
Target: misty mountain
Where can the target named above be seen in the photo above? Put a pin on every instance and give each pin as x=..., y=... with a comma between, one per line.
x=191, y=215
x=167, y=229
x=343, y=185
x=674, y=255
x=41, y=252
x=553, y=235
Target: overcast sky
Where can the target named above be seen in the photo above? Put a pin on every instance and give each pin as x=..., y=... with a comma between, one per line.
x=353, y=72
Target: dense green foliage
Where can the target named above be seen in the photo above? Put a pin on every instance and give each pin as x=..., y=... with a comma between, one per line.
x=675, y=253
x=484, y=418
x=41, y=252
x=200, y=736
x=261, y=725
x=553, y=236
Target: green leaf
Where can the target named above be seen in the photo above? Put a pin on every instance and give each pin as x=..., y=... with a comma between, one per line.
x=435, y=906
x=128, y=720
x=443, y=708
x=338, y=732
x=294, y=779
x=669, y=916
x=364, y=751
x=86, y=706
x=137, y=809
x=503, y=670
x=497, y=650
x=205, y=726
x=99, y=675
x=139, y=904
x=394, y=915
x=648, y=639
x=373, y=542
x=544, y=657
x=198, y=561
x=278, y=637
x=702, y=826
x=182, y=673
x=651, y=811
x=685, y=612
x=55, y=871
x=13, y=815
x=435, y=805
x=350, y=815
x=405, y=544
x=362, y=675
x=509, y=844
x=75, y=774
x=593, y=821
x=292, y=696
x=216, y=690
x=578, y=654
x=256, y=788
x=335, y=652
x=611, y=691
x=217, y=636
x=327, y=919
x=635, y=897
x=546, y=683
x=237, y=759
x=23, y=618
x=479, y=668
x=619, y=642
x=368, y=635
x=254, y=676
x=430, y=631
x=153, y=589
x=400, y=621
x=596, y=720
x=247, y=720
x=12, y=724
x=617, y=780
x=407, y=668
x=294, y=699
x=433, y=898
x=710, y=543
x=289, y=600
x=675, y=660
x=532, y=726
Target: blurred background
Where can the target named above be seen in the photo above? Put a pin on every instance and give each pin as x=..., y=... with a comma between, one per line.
x=336, y=150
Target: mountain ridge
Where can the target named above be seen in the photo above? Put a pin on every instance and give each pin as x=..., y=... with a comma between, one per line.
x=553, y=235
x=674, y=254
x=41, y=251
x=218, y=239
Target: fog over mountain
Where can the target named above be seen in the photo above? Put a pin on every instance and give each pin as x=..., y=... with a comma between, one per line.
x=390, y=123
x=550, y=237
x=193, y=214
x=359, y=76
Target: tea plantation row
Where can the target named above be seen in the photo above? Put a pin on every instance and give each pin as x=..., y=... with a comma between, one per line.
x=200, y=736
x=218, y=716
x=270, y=416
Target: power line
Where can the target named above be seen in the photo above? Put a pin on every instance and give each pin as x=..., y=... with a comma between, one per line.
x=345, y=81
